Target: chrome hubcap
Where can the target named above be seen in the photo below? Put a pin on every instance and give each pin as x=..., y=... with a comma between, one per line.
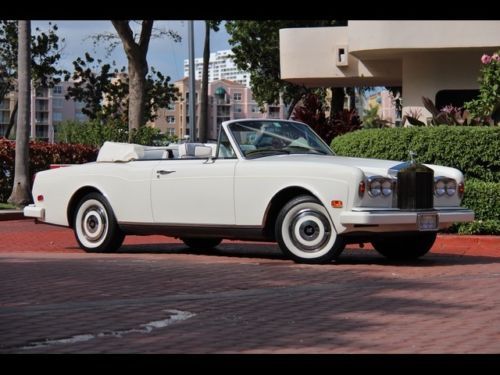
x=309, y=230
x=94, y=223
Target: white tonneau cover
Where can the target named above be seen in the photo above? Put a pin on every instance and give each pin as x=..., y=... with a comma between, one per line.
x=124, y=152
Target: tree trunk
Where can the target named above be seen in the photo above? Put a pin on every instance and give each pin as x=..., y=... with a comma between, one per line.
x=137, y=68
x=11, y=120
x=21, y=195
x=137, y=87
x=203, y=123
x=337, y=103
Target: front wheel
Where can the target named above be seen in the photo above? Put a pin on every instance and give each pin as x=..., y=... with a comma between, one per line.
x=305, y=232
x=405, y=247
x=95, y=226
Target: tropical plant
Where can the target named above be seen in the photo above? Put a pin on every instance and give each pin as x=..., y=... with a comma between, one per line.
x=371, y=119
x=311, y=111
x=449, y=115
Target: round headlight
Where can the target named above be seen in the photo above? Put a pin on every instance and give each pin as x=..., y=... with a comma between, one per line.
x=440, y=188
x=386, y=188
x=375, y=188
x=451, y=187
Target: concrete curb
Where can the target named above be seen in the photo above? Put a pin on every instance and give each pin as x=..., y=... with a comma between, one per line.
x=12, y=215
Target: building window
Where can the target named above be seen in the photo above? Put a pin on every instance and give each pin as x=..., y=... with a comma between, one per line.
x=170, y=119
x=57, y=103
x=57, y=90
x=237, y=96
x=57, y=116
x=170, y=131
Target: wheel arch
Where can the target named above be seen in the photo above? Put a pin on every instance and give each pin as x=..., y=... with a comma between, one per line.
x=76, y=197
x=276, y=204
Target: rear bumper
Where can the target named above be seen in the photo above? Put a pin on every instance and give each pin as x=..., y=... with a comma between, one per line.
x=396, y=217
x=33, y=211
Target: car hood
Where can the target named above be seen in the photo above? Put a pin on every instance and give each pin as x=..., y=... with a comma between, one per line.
x=368, y=166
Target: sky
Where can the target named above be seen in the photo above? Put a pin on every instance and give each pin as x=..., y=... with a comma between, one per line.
x=164, y=54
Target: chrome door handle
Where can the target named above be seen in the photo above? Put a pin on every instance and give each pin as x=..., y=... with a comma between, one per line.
x=162, y=171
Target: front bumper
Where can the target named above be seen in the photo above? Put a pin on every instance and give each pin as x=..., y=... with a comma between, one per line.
x=370, y=216
x=33, y=211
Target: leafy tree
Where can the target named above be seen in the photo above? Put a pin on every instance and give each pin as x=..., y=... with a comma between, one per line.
x=45, y=53
x=209, y=25
x=256, y=50
x=136, y=49
x=21, y=194
x=104, y=90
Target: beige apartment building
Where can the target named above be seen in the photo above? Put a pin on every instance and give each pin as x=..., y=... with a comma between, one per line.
x=227, y=100
x=436, y=59
x=48, y=108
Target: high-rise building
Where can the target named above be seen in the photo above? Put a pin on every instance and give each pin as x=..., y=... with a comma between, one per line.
x=221, y=66
x=49, y=107
x=227, y=100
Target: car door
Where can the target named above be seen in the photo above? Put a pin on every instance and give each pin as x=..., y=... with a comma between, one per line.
x=193, y=191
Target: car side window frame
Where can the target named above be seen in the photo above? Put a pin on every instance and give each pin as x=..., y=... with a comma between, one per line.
x=223, y=132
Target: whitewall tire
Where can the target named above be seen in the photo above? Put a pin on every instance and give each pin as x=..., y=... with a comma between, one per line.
x=305, y=232
x=95, y=225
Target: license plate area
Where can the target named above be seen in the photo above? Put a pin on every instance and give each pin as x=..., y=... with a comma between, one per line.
x=427, y=221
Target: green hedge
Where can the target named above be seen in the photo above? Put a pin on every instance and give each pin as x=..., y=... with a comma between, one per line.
x=42, y=154
x=475, y=150
x=484, y=198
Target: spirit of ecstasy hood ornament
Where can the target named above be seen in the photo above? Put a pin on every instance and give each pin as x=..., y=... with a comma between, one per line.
x=412, y=155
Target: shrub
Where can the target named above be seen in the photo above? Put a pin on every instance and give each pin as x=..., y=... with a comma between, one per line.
x=42, y=154
x=484, y=199
x=473, y=150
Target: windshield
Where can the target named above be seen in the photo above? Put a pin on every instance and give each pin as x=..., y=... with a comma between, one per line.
x=264, y=138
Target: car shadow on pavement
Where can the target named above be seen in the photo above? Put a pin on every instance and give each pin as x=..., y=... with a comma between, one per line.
x=269, y=251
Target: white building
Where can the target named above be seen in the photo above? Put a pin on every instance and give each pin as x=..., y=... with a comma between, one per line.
x=220, y=66
x=440, y=60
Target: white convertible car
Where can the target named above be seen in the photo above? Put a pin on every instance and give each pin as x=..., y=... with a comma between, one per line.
x=264, y=180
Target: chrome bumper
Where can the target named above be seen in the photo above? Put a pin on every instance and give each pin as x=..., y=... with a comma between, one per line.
x=33, y=211
x=380, y=217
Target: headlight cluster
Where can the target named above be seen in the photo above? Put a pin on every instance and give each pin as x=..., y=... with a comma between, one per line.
x=444, y=185
x=378, y=185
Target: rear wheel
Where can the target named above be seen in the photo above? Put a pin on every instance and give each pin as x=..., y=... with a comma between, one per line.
x=202, y=243
x=95, y=226
x=305, y=232
x=405, y=247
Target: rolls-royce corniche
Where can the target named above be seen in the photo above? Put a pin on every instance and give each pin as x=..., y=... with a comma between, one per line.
x=263, y=180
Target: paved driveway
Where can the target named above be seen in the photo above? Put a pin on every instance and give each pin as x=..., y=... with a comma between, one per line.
x=156, y=296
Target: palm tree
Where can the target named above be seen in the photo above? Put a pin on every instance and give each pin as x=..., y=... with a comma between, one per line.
x=21, y=195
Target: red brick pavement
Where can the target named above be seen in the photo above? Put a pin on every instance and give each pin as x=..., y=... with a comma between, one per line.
x=242, y=298
x=26, y=236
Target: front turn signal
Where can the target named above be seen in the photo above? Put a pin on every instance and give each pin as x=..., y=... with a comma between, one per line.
x=337, y=204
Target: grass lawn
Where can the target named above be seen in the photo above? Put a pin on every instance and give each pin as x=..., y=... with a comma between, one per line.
x=7, y=206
